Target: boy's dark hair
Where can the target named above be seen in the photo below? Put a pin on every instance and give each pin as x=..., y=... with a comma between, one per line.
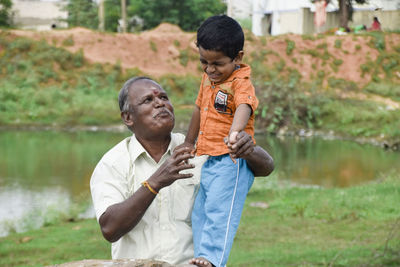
x=221, y=33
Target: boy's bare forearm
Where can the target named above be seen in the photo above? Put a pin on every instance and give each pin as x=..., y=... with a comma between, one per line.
x=242, y=115
x=194, y=127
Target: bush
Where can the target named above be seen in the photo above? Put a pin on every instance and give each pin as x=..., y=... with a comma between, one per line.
x=286, y=105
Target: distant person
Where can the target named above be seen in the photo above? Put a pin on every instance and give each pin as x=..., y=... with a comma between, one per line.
x=141, y=193
x=225, y=106
x=376, y=25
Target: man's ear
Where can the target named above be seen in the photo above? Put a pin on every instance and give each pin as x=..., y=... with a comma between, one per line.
x=239, y=57
x=127, y=118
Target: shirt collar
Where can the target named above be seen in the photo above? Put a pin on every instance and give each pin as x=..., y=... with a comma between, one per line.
x=136, y=149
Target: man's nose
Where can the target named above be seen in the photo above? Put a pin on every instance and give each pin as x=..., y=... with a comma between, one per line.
x=159, y=102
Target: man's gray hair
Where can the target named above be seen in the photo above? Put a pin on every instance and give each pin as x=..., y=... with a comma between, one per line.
x=124, y=92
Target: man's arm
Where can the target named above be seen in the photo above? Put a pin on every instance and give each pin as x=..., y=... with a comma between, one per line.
x=120, y=218
x=260, y=162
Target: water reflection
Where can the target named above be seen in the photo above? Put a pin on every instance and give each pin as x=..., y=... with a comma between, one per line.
x=23, y=209
x=42, y=173
x=328, y=163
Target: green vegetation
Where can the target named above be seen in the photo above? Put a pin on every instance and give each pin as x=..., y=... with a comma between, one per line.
x=68, y=41
x=320, y=227
x=302, y=226
x=360, y=118
x=338, y=43
x=177, y=43
x=55, y=244
x=187, y=14
x=283, y=105
x=6, y=13
x=290, y=45
x=44, y=85
x=82, y=13
x=377, y=40
x=153, y=46
x=384, y=89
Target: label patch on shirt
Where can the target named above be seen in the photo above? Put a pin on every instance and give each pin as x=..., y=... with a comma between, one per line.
x=221, y=101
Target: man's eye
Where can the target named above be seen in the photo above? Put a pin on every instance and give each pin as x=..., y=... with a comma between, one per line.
x=147, y=100
x=164, y=97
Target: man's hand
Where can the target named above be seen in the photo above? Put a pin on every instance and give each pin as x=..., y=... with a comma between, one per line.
x=169, y=170
x=240, y=145
x=186, y=145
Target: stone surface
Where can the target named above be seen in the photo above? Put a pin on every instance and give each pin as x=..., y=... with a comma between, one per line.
x=119, y=263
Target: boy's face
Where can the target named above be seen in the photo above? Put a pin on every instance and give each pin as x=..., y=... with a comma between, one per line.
x=217, y=65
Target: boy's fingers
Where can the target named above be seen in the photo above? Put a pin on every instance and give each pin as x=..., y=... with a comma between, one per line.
x=233, y=137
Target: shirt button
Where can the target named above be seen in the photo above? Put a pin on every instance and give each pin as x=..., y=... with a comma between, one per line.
x=205, y=109
x=201, y=132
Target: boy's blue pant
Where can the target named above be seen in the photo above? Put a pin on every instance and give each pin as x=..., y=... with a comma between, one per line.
x=218, y=207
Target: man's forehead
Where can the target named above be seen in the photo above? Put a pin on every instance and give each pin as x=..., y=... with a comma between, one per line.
x=145, y=86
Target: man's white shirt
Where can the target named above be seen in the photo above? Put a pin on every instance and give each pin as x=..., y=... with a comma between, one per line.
x=164, y=233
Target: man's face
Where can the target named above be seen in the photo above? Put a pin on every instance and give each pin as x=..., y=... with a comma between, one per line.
x=217, y=65
x=151, y=111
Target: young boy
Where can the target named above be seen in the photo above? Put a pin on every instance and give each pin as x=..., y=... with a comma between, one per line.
x=224, y=106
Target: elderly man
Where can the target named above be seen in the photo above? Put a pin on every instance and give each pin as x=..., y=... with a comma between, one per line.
x=143, y=189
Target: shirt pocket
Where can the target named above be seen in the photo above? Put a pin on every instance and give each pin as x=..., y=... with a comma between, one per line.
x=185, y=191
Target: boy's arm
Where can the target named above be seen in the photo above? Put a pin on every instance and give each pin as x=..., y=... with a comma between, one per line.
x=242, y=115
x=194, y=127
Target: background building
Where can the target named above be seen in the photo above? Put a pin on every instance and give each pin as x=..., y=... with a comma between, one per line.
x=273, y=17
x=39, y=14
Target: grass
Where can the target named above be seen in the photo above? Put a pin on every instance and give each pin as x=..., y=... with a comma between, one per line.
x=303, y=226
x=360, y=118
x=67, y=241
x=319, y=227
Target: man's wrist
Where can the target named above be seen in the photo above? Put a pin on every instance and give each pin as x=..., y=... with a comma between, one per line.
x=148, y=186
x=153, y=185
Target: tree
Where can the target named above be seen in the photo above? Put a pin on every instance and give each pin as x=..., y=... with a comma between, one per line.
x=82, y=13
x=5, y=13
x=112, y=10
x=188, y=14
x=346, y=11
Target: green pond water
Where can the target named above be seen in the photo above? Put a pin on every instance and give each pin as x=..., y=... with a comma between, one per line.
x=43, y=173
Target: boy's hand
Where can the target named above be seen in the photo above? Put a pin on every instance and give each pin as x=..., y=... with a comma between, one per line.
x=230, y=141
x=240, y=147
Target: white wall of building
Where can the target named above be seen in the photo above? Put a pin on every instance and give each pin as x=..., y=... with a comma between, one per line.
x=39, y=15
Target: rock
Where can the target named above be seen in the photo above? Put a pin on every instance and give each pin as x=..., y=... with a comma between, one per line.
x=173, y=51
x=120, y=263
x=262, y=205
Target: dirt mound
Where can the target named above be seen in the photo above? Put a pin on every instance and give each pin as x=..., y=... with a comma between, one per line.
x=162, y=50
x=168, y=50
x=167, y=28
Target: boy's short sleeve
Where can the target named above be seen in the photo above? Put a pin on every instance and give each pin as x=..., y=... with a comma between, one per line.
x=245, y=93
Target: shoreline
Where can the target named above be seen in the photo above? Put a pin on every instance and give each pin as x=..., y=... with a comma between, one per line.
x=386, y=144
